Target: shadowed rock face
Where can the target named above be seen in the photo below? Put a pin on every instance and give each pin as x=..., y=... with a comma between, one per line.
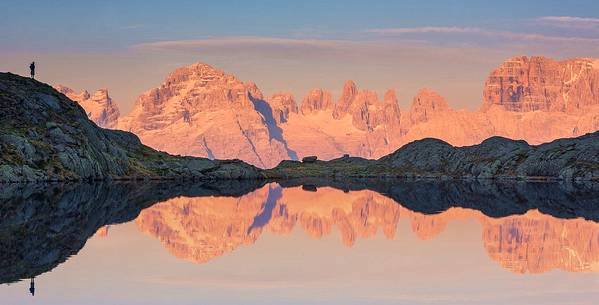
x=42, y=225
x=46, y=136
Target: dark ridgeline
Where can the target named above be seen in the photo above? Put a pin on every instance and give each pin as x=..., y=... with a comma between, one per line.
x=28, y=219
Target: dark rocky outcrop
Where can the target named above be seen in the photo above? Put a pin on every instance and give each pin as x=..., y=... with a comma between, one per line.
x=494, y=158
x=46, y=136
x=309, y=159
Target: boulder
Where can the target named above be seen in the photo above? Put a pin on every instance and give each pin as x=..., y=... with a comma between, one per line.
x=309, y=159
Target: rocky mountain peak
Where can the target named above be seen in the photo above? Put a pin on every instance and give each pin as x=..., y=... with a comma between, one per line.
x=316, y=100
x=63, y=89
x=253, y=90
x=215, y=114
x=366, y=109
x=390, y=96
x=101, y=94
x=425, y=105
x=350, y=90
x=282, y=104
x=537, y=83
x=198, y=71
x=99, y=107
x=197, y=88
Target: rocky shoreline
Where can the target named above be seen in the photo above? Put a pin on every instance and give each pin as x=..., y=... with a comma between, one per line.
x=495, y=158
x=45, y=136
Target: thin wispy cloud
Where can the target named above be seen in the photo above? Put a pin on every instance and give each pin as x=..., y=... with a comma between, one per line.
x=239, y=41
x=426, y=29
x=520, y=36
x=384, y=46
x=132, y=26
x=570, y=22
x=375, y=49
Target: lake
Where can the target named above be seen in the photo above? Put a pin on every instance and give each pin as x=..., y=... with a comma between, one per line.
x=306, y=241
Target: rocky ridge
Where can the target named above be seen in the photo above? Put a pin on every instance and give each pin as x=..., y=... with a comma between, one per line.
x=494, y=158
x=46, y=136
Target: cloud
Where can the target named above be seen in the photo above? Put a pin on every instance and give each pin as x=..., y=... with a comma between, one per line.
x=374, y=50
x=239, y=41
x=570, y=22
x=132, y=26
x=426, y=29
x=383, y=47
x=515, y=36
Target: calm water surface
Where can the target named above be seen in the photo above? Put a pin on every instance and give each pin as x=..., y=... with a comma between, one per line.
x=300, y=243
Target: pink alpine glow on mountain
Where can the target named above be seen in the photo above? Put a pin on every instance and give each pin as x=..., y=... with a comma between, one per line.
x=201, y=111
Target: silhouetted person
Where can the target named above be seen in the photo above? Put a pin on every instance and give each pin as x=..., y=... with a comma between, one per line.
x=32, y=68
x=32, y=287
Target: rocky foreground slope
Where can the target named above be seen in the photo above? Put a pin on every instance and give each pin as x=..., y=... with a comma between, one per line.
x=46, y=136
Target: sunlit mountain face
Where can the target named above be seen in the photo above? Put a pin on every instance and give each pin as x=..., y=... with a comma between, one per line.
x=200, y=110
x=251, y=237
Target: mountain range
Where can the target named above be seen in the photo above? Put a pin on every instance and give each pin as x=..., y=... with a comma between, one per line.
x=201, y=111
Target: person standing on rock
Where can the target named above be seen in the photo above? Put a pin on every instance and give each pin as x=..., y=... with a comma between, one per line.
x=32, y=68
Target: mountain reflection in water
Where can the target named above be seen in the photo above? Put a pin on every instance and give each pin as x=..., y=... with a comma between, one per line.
x=200, y=229
x=526, y=227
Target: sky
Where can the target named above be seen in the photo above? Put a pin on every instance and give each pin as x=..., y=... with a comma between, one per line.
x=449, y=46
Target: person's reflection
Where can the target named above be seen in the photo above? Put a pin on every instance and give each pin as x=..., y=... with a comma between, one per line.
x=32, y=286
